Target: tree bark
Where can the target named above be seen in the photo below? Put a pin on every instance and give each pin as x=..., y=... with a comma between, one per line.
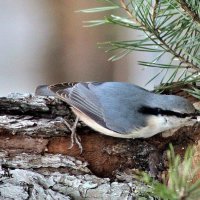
x=36, y=162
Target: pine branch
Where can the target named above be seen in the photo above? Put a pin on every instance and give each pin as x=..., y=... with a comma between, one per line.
x=187, y=8
x=170, y=27
x=157, y=33
x=173, y=52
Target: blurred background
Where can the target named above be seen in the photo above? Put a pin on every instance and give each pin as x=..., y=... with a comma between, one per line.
x=44, y=42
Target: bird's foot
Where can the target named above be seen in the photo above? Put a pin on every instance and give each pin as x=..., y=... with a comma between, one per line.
x=74, y=137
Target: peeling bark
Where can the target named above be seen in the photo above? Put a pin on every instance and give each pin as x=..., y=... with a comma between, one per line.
x=36, y=162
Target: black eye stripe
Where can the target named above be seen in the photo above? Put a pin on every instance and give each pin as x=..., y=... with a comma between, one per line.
x=158, y=111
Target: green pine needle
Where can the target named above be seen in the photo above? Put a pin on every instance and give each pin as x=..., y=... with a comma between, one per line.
x=99, y=9
x=178, y=185
x=168, y=26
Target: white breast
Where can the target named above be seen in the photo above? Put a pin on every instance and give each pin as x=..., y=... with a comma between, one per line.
x=156, y=124
x=91, y=123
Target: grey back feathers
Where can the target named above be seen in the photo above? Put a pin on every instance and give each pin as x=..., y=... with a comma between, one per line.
x=116, y=105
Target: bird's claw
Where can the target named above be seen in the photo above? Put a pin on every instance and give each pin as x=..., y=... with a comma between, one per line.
x=74, y=138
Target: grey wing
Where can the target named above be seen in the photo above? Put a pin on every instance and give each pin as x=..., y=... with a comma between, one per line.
x=120, y=103
x=113, y=105
x=79, y=95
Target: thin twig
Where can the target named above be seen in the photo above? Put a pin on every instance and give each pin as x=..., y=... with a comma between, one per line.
x=125, y=7
x=154, y=15
x=188, y=10
x=173, y=52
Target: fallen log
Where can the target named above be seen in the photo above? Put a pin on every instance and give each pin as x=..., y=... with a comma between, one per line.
x=36, y=160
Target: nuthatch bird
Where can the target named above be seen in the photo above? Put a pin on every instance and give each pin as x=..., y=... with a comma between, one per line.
x=122, y=109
